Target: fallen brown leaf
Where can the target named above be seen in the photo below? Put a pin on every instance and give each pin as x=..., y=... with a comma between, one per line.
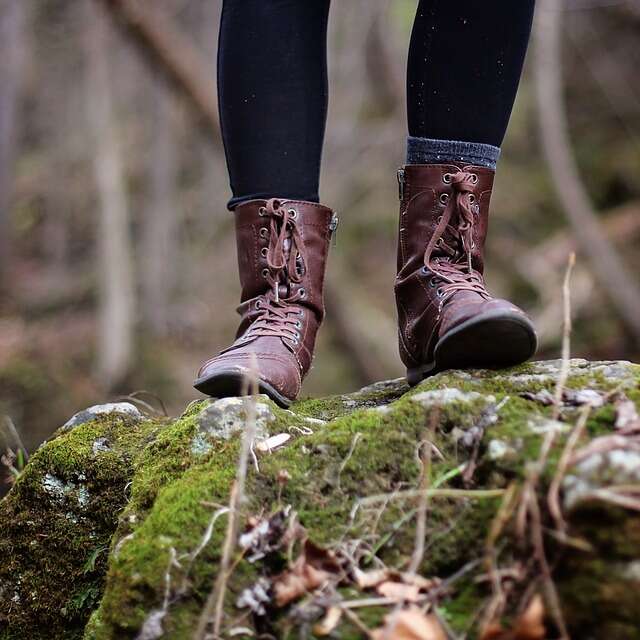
x=314, y=567
x=330, y=621
x=399, y=591
x=409, y=624
x=370, y=579
x=528, y=626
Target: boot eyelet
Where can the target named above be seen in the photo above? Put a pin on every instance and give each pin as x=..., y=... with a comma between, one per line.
x=439, y=220
x=298, y=324
x=474, y=178
x=293, y=213
x=264, y=232
x=439, y=243
x=301, y=313
x=265, y=273
x=432, y=283
x=302, y=291
x=444, y=198
x=264, y=252
x=258, y=304
x=424, y=271
x=439, y=292
x=472, y=198
x=446, y=178
x=476, y=208
x=262, y=211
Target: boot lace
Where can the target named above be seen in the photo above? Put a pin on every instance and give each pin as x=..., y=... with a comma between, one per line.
x=453, y=236
x=279, y=315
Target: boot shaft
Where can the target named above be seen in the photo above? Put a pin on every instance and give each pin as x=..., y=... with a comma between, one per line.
x=425, y=192
x=255, y=230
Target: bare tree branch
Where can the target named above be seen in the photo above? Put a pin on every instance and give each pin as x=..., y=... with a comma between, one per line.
x=607, y=266
x=170, y=52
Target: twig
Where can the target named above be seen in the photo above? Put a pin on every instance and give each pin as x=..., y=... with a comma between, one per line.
x=423, y=503
x=361, y=626
x=478, y=494
x=15, y=435
x=550, y=588
x=566, y=338
x=554, y=488
x=496, y=604
x=344, y=463
x=215, y=602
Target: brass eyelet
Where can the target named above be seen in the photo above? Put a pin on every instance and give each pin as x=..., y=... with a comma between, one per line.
x=293, y=213
x=474, y=178
x=264, y=232
x=262, y=211
x=264, y=252
x=446, y=178
x=265, y=273
x=472, y=198
x=444, y=198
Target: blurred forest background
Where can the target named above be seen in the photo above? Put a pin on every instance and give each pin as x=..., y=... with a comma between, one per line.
x=117, y=255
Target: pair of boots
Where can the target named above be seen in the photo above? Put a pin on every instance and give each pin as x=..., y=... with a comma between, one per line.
x=446, y=317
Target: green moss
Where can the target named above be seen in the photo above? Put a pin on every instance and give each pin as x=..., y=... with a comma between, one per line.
x=63, y=508
x=172, y=488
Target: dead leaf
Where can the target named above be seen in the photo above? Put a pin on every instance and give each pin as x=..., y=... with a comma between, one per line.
x=264, y=536
x=424, y=584
x=528, y=626
x=314, y=567
x=370, y=579
x=330, y=621
x=255, y=597
x=399, y=591
x=274, y=442
x=297, y=581
x=410, y=624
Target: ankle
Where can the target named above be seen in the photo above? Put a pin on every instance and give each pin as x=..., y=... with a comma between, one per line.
x=433, y=151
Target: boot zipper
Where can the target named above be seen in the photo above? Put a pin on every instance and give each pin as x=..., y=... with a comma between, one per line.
x=401, y=184
x=333, y=225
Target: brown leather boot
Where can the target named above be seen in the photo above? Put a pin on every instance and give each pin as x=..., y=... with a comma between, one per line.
x=282, y=251
x=446, y=317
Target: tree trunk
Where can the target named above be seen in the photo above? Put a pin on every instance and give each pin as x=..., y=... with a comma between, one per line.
x=607, y=266
x=11, y=57
x=116, y=305
x=158, y=268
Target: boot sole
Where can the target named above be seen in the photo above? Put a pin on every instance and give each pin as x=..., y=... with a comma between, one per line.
x=229, y=384
x=488, y=341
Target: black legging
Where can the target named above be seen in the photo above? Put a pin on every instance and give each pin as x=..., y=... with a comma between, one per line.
x=465, y=61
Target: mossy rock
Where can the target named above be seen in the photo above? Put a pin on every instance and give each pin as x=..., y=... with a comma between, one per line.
x=98, y=536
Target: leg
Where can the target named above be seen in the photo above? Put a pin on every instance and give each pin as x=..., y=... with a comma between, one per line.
x=272, y=86
x=465, y=61
x=464, y=67
x=273, y=103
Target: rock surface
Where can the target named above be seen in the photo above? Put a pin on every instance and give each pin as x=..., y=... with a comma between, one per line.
x=116, y=527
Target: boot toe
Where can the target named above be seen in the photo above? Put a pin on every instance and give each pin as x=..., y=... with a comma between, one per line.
x=227, y=375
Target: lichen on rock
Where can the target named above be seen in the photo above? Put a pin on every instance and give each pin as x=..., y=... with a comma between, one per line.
x=116, y=527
